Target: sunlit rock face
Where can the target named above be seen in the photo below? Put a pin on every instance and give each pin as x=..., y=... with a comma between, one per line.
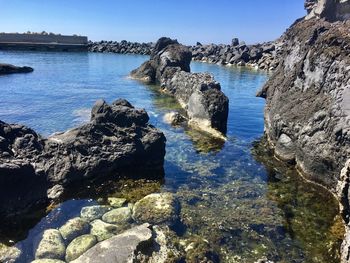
x=199, y=94
x=331, y=10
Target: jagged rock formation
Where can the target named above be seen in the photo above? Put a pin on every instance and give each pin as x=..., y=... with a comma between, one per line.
x=11, y=69
x=117, y=138
x=307, y=116
x=331, y=10
x=199, y=94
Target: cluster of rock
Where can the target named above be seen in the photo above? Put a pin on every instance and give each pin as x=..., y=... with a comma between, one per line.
x=11, y=69
x=261, y=56
x=198, y=93
x=117, y=138
x=307, y=116
x=117, y=230
x=123, y=47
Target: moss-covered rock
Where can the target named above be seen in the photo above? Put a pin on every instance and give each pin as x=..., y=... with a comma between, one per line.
x=73, y=228
x=91, y=213
x=9, y=254
x=116, y=202
x=47, y=260
x=80, y=245
x=157, y=208
x=51, y=246
x=103, y=230
x=119, y=216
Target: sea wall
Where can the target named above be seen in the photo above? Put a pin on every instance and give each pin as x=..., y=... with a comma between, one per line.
x=42, y=42
x=38, y=38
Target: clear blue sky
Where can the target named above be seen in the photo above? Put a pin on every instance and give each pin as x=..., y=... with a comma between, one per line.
x=214, y=21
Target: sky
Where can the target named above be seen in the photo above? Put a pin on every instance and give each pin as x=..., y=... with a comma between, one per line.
x=189, y=21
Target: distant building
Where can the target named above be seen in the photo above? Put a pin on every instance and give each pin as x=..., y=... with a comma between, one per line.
x=42, y=42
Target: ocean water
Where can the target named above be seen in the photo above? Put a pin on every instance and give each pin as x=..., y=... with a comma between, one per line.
x=233, y=194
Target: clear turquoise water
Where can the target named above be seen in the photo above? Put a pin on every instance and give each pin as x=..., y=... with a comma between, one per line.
x=233, y=194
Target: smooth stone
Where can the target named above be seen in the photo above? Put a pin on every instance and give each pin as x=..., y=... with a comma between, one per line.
x=120, y=216
x=156, y=209
x=51, y=246
x=79, y=246
x=118, y=249
x=103, y=230
x=91, y=213
x=116, y=202
x=47, y=260
x=73, y=228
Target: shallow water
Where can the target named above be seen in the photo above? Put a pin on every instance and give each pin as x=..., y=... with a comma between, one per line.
x=233, y=193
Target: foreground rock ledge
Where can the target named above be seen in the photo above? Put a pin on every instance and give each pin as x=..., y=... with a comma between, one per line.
x=118, y=138
x=11, y=69
x=199, y=94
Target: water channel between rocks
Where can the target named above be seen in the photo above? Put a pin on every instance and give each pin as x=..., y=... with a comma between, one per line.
x=233, y=194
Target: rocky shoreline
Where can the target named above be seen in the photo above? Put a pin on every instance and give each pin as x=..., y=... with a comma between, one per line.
x=264, y=56
x=198, y=93
x=34, y=169
x=307, y=117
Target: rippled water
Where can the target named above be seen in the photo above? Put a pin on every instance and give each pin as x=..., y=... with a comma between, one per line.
x=233, y=193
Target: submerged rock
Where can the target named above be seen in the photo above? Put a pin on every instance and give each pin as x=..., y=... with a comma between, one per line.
x=121, y=248
x=174, y=118
x=198, y=94
x=103, y=230
x=116, y=202
x=11, y=69
x=47, y=260
x=117, y=138
x=80, y=245
x=51, y=246
x=91, y=213
x=73, y=228
x=120, y=216
x=160, y=208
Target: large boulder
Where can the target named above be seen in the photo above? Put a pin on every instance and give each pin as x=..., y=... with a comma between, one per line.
x=169, y=66
x=121, y=248
x=118, y=138
x=307, y=116
x=11, y=69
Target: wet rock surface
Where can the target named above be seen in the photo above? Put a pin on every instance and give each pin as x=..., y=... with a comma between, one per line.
x=118, y=137
x=51, y=246
x=11, y=69
x=199, y=94
x=160, y=208
x=307, y=117
x=80, y=245
x=121, y=248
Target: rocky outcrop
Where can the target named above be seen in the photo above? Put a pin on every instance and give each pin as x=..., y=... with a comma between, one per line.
x=118, y=138
x=123, y=47
x=331, y=10
x=11, y=69
x=307, y=116
x=199, y=94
